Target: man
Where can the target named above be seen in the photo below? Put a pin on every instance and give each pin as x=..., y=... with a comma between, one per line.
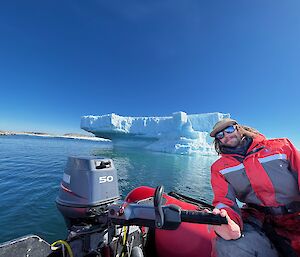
x=263, y=174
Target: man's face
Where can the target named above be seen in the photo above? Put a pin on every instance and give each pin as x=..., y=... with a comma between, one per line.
x=231, y=139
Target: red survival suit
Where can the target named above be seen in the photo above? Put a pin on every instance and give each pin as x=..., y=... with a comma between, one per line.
x=267, y=176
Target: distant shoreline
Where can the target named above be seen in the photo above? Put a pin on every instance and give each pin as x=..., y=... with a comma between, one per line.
x=42, y=134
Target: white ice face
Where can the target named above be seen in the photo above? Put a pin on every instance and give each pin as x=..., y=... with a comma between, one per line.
x=179, y=133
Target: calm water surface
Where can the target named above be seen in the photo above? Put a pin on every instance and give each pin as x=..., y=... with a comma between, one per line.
x=31, y=169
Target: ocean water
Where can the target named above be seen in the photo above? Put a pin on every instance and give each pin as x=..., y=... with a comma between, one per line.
x=31, y=169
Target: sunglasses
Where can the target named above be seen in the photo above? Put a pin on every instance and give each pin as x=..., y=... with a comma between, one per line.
x=228, y=130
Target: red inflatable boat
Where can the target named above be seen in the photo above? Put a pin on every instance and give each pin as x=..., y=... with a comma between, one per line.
x=183, y=239
x=189, y=239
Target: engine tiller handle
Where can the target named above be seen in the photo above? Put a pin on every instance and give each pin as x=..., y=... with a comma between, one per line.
x=202, y=218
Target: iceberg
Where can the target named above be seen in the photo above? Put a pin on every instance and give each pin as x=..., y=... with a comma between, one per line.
x=180, y=133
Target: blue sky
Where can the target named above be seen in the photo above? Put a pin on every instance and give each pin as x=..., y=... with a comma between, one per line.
x=63, y=59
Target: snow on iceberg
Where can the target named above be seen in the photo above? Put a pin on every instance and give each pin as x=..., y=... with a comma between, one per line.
x=179, y=133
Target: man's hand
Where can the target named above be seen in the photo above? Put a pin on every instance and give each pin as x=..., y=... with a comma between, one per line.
x=229, y=231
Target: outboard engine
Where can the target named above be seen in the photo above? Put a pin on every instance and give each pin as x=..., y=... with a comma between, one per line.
x=88, y=186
